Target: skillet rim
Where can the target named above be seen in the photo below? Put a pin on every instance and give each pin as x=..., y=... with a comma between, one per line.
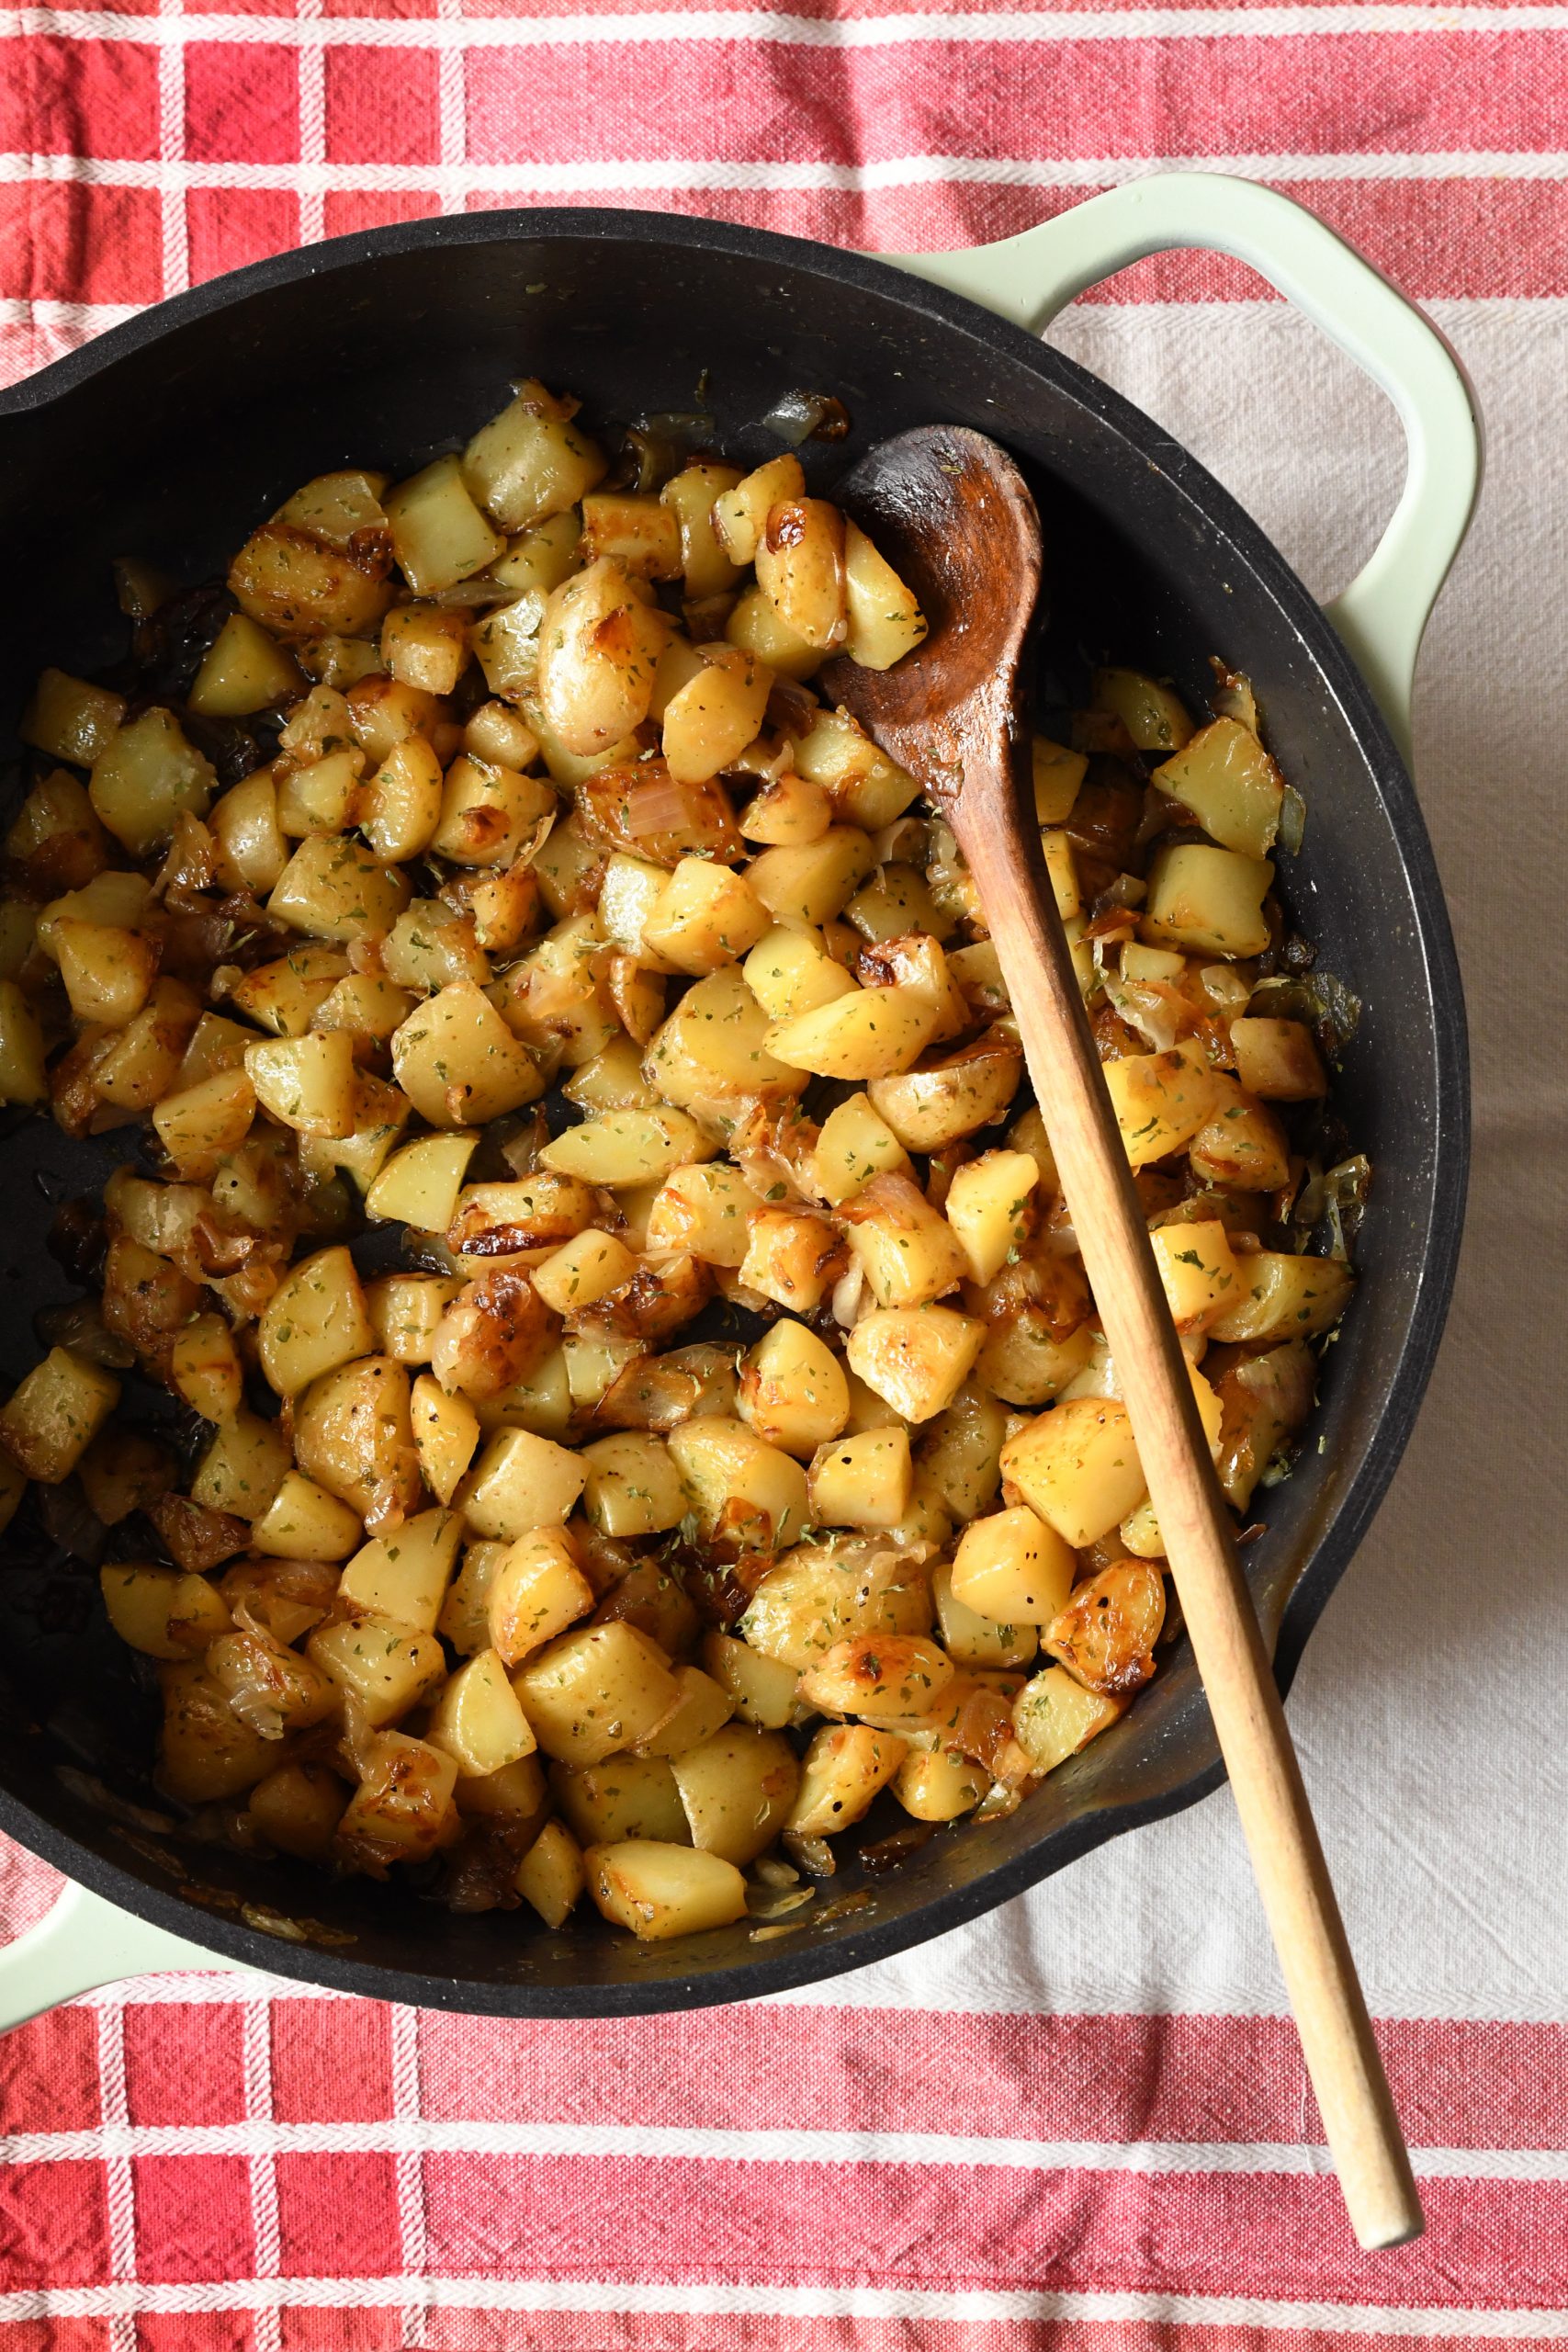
x=1445, y=1193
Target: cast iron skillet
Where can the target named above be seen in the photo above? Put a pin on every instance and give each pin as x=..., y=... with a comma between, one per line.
x=172, y=436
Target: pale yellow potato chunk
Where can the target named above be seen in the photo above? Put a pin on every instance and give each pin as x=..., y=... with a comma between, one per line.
x=861, y=1481
x=479, y=1720
x=304, y=1523
x=163, y=1613
x=626, y=1796
x=597, y=1689
x=315, y=1321
x=977, y=1641
x=1077, y=1467
x=1012, y=1568
x=552, y=1876
x=1053, y=1717
x=1279, y=1296
x=1198, y=1271
x=938, y=1784
x=659, y=1891
x=709, y=722
x=916, y=1358
x=520, y=1482
x=705, y=917
x=242, y=1470
x=459, y=1064
x=702, y=1709
x=306, y=1083
x=531, y=1590
x=792, y=1390
x=871, y=1033
x=843, y=1769
x=722, y=1461
x=405, y=1575
x=737, y=1789
x=804, y=888
x=792, y=1257
x=1160, y=1100
x=891, y=1676
x=420, y=1184
x=630, y=1147
x=386, y=1664
x=633, y=1486
x=789, y=971
x=333, y=888
x=1278, y=1059
x=405, y=1312
x=705, y=1210
x=205, y=1368
x=907, y=1250
x=1207, y=901
x=884, y=617
x=761, y=1689
x=1232, y=787
x=439, y=536
x=583, y=1271
x=445, y=1435
x=855, y=1145
x=988, y=1207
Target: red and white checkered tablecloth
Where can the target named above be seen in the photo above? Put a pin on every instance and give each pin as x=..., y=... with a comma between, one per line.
x=1081, y=2121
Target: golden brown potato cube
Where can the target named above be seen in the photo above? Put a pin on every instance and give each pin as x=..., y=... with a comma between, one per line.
x=1281, y=1297
x=403, y=1807
x=1077, y=1467
x=788, y=812
x=405, y=1575
x=596, y=1690
x=792, y=1391
x=855, y=1145
x=1207, y=901
x=489, y=814
x=861, y=1481
x=1278, y=1059
x=884, y=618
x=401, y=805
x=866, y=787
x=939, y=1784
x=1106, y=1633
x=844, y=1768
x=1012, y=1568
x=284, y=995
x=531, y=1591
x=201, y=1125
x=551, y=1876
x=988, y=1205
x=531, y=462
x=762, y=1689
x=205, y=1755
x=420, y=1184
x=1197, y=1270
x=702, y=1708
x=722, y=1460
x=737, y=1789
x=142, y=1063
x=55, y=837
x=790, y=972
x=805, y=886
x=352, y=1435
x=915, y=1357
x=458, y=1063
x=519, y=1482
x=792, y=1257
x=633, y=1486
x=425, y=645
x=703, y=1210
x=384, y=1664
x=163, y=1613
x=439, y=536
x=1054, y=1717
x=658, y=1891
x=974, y=1641
x=333, y=888
x=314, y=1321
x=599, y=641
x=689, y=496
x=306, y=1083
x=69, y=718
x=640, y=530
x=869, y=1034
x=714, y=1045
x=705, y=917
x=740, y=509
x=907, y=1250
x=892, y=1676
x=145, y=775
x=205, y=1368
x=800, y=569
x=1161, y=1101
x=445, y=1435
x=626, y=1796
x=1242, y=1143
x=107, y=972
x=297, y=1809
x=296, y=585
x=304, y=1523
x=1232, y=787
x=714, y=714
x=55, y=1413
x=477, y=1719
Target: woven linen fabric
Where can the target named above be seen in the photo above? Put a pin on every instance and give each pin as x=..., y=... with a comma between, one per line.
x=1082, y=2121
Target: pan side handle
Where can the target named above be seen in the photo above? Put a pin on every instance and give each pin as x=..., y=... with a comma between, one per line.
x=1383, y=614
x=82, y=1943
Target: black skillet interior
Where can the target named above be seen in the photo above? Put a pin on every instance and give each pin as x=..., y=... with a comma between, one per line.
x=173, y=436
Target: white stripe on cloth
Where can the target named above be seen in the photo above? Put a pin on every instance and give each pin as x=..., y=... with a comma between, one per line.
x=120, y=2186
x=261, y=2130
x=408, y=2137
x=974, y=2305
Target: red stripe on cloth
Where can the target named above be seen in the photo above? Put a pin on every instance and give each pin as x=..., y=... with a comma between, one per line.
x=1278, y=2235
x=1094, y=2079
x=455, y=2330
x=94, y=97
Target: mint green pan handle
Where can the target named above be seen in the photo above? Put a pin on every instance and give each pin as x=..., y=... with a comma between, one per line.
x=1384, y=612
x=85, y=1943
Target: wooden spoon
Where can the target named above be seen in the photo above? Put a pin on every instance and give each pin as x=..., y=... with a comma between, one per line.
x=952, y=513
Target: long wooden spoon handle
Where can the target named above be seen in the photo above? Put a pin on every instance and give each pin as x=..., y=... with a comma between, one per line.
x=1002, y=845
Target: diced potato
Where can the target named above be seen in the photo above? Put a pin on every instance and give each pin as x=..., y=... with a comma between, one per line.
x=423, y=645
x=894, y=1677
x=939, y=1784
x=107, y=972
x=1279, y=1296
x=297, y=1809
x=323, y=797
x=205, y=1755
x=843, y=1770
x=792, y=1257
x=304, y=1523
x=961, y=1452
x=1054, y=1717
x=714, y=1045
x=163, y=1613
x=144, y=775
x=909, y=1253
x=703, y=1209
x=788, y=812
x=792, y=1392
x=439, y=536
x=1207, y=901
x=868, y=787
x=534, y=1591
x=519, y=1482
x=459, y=1064
x=702, y=1709
x=855, y=1145
x=420, y=1184
x=552, y=1876
x=445, y=1435
x=1077, y=1467
x=71, y=720
x=800, y=569
x=1154, y=714
x=537, y=1212
x=306, y=1083
x=762, y=1689
x=380, y=1114
x=620, y=1148
x=583, y=1271
x=284, y=994
x=705, y=917
x=333, y=888
x=315, y=1321
x=790, y=971
x=896, y=904
x=1161, y=1100
x=400, y=806
x=596, y=1690
x=940, y=1102
x=205, y=1368
x=1278, y=1059
x=54, y=838
x=658, y=1891
x=1012, y=1568
x=23, y=1075
x=121, y=1472
x=489, y=814
x=722, y=1462
x=871, y=1033
x=1241, y=1143
x=626, y=1796
x=531, y=462
x=807, y=886
x=737, y=1789
x=385, y=1664
x=298, y=584
x=352, y=1435
x=861, y=1481
x=1232, y=787
x=598, y=643
x=1198, y=1271
x=1024, y=1361
x=885, y=621
x=243, y=1467
x=988, y=1206
x=201, y=1125
x=918, y=1359
x=404, y=1575
x=633, y=1486
x=55, y=1412
x=975, y=1640
x=1106, y=1632
x=479, y=1720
